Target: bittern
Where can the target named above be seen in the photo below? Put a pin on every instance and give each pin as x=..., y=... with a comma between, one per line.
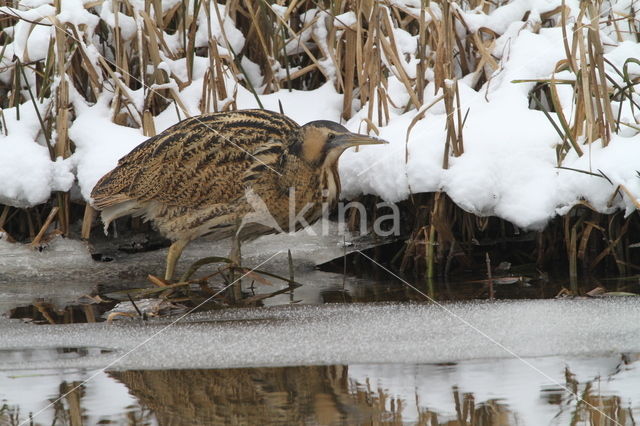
x=203, y=176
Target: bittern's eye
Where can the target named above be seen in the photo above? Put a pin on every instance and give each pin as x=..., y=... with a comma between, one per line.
x=331, y=137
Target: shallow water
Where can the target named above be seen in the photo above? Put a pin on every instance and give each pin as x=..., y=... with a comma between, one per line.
x=338, y=350
x=484, y=392
x=509, y=362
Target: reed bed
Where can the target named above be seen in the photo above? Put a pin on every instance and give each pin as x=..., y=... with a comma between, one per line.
x=302, y=45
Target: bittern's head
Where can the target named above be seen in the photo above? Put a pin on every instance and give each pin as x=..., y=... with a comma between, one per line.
x=324, y=141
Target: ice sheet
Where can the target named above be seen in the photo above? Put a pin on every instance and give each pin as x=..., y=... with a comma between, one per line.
x=345, y=334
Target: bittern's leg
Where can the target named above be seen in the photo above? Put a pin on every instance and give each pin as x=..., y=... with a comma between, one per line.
x=235, y=255
x=172, y=257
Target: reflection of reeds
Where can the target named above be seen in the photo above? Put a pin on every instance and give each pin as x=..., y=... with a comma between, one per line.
x=67, y=409
x=358, y=54
x=288, y=395
x=9, y=415
x=41, y=312
x=594, y=408
x=324, y=395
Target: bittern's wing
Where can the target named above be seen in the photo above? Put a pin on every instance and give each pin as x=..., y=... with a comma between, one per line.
x=204, y=159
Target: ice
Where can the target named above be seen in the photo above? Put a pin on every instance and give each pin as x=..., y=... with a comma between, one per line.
x=515, y=352
x=63, y=270
x=64, y=251
x=345, y=334
x=396, y=349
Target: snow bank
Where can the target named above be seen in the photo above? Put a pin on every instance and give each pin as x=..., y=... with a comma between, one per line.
x=99, y=143
x=509, y=166
x=27, y=172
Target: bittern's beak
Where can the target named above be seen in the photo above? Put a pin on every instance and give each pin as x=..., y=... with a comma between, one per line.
x=347, y=140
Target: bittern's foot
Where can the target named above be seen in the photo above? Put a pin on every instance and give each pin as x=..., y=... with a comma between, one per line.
x=200, y=263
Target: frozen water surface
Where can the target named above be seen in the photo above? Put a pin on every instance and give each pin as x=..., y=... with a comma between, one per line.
x=343, y=334
x=406, y=361
x=64, y=258
x=349, y=363
x=416, y=357
x=309, y=362
x=64, y=269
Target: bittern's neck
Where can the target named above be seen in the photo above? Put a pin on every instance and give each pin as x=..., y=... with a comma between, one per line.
x=330, y=184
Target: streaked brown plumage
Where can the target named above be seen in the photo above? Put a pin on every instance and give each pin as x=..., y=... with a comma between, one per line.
x=198, y=177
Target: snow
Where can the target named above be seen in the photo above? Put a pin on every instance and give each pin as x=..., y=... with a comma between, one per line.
x=99, y=143
x=30, y=42
x=509, y=165
x=73, y=12
x=127, y=24
x=345, y=20
x=27, y=173
x=225, y=33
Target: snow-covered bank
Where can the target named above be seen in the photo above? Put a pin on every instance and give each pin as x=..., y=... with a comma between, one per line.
x=509, y=167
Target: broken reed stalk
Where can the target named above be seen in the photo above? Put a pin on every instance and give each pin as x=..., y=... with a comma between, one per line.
x=593, y=117
x=489, y=277
x=573, y=259
x=3, y=217
x=87, y=221
x=445, y=80
x=45, y=226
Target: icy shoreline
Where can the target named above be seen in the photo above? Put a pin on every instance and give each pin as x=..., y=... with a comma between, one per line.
x=508, y=169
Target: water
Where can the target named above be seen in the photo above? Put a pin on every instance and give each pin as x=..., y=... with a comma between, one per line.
x=483, y=392
x=522, y=362
x=338, y=350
